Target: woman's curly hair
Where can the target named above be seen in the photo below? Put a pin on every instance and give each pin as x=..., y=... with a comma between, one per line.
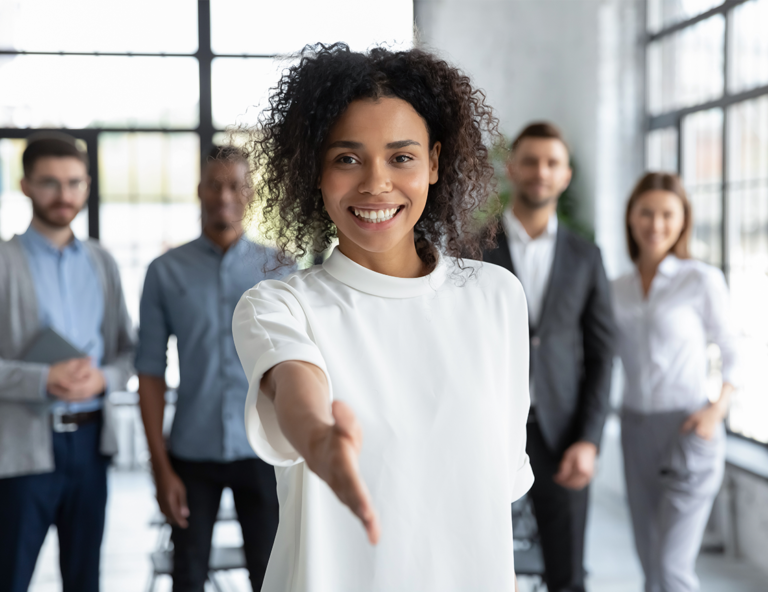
x=287, y=147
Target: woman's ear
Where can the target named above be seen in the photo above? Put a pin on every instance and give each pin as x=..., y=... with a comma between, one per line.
x=434, y=158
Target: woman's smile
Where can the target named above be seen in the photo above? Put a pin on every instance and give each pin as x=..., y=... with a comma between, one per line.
x=375, y=217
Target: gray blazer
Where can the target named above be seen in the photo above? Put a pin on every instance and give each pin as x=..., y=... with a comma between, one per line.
x=26, y=445
x=572, y=347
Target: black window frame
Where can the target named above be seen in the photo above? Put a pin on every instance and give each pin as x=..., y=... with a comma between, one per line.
x=205, y=128
x=674, y=119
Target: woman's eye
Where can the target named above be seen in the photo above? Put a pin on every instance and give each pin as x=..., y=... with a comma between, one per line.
x=402, y=158
x=347, y=160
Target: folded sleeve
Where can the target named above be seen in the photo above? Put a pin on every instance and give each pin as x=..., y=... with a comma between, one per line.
x=720, y=329
x=154, y=328
x=521, y=474
x=270, y=326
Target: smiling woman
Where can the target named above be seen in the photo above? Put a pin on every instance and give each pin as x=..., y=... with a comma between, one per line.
x=411, y=86
x=393, y=338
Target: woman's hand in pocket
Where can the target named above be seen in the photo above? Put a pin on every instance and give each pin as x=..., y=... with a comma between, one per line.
x=704, y=422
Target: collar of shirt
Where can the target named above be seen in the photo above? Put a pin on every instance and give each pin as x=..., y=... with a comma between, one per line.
x=669, y=266
x=38, y=244
x=668, y=269
x=516, y=231
x=235, y=249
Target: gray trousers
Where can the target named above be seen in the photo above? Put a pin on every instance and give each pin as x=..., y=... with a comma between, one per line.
x=672, y=480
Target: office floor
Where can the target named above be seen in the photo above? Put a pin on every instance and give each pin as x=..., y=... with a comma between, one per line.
x=610, y=555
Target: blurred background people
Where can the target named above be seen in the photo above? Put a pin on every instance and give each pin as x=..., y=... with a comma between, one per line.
x=56, y=433
x=191, y=292
x=668, y=309
x=571, y=340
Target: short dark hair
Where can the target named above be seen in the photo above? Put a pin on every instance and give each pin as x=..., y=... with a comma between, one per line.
x=654, y=181
x=538, y=129
x=58, y=145
x=225, y=153
x=288, y=145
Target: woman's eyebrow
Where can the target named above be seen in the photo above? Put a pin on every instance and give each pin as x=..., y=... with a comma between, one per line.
x=359, y=145
x=346, y=144
x=402, y=144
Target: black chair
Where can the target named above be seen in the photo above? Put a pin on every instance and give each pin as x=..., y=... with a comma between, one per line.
x=222, y=559
x=529, y=560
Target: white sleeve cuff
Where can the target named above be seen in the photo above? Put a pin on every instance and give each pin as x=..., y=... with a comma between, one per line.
x=261, y=426
x=523, y=480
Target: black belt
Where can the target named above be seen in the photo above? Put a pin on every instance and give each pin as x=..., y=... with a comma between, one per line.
x=69, y=422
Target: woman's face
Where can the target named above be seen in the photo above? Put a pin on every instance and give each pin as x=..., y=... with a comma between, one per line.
x=376, y=175
x=656, y=221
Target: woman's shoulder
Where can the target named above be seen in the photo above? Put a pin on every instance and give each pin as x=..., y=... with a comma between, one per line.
x=624, y=280
x=487, y=277
x=296, y=282
x=703, y=272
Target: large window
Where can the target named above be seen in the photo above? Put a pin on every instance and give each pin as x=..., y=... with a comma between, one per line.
x=707, y=81
x=147, y=87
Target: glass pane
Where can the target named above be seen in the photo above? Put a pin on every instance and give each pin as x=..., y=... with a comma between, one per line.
x=247, y=27
x=702, y=176
x=748, y=209
x=148, y=200
x=661, y=150
x=663, y=13
x=15, y=207
x=748, y=40
x=140, y=26
x=686, y=68
x=86, y=91
x=240, y=88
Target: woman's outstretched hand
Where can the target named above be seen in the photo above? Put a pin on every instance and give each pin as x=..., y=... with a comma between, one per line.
x=327, y=436
x=333, y=456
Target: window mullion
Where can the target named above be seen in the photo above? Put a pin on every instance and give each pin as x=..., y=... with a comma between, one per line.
x=205, y=59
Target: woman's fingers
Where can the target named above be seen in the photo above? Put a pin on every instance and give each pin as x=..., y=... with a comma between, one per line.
x=351, y=489
x=361, y=505
x=690, y=424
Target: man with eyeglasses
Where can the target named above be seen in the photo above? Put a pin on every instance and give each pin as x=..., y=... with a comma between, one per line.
x=56, y=433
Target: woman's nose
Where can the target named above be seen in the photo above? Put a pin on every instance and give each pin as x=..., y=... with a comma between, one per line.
x=375, y=180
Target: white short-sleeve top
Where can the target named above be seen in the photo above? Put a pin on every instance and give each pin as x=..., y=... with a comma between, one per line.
x=436, y=371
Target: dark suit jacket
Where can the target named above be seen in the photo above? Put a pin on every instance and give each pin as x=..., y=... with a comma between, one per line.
x=572, y=346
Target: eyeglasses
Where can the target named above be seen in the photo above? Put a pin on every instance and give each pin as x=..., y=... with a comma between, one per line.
x=54, y=187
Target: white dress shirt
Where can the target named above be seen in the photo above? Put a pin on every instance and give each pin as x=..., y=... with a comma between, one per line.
x=532, y=258
x=663, y=337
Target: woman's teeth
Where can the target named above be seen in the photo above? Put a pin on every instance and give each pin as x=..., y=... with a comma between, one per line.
x=376, y=216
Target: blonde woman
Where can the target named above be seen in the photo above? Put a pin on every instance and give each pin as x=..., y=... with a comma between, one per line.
x=668, y=309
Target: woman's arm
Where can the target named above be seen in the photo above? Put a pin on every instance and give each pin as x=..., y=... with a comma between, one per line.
x=327, y=436
x=720, y=330
x=705, y=421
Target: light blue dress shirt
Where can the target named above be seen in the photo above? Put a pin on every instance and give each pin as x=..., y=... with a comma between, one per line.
x=191, y=292
x=70, y=300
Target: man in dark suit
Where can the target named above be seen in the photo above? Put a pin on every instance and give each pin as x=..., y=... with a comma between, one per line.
x=571, y=329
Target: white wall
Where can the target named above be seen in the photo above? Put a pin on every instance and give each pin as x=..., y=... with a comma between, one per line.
x=576, y=63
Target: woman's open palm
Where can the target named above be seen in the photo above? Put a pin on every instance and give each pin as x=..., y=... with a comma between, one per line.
x=335, y=460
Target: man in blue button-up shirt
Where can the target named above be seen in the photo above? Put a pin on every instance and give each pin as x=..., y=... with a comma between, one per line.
x=191, y=292
x=56, y=433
